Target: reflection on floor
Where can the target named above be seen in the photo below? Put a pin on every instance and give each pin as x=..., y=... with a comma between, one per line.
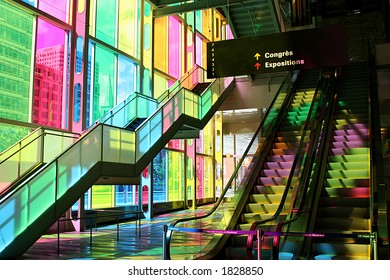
x=105, y=244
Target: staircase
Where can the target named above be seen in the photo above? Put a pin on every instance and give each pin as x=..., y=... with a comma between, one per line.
x=344, y=206
x=271, y=183
x=104, y=153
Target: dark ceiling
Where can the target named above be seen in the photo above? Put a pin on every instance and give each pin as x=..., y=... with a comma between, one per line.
x=260, y=17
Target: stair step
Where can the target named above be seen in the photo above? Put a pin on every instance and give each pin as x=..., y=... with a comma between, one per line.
x=268, y=226
x=348, y=174
x=349, y=144
x=276, y=172
x=348, y=138
x=345, y=251
x=352, y=151
x=357, y=126
x=348, y=165
x=292, y=138
x=343, y=223
x=262, y=208
x=340, y=115
x=281, y=158
x=269, y=189
x=347, y=132
x=253, y=217
x=278, y=165
x=351, y=121
x=266, y=198
x=272, y=181
x=281, y=152
x=340, y=257
x=349, y=212
x=347, y=183
x=345, y=202
x=362, y=192
x=360, y=158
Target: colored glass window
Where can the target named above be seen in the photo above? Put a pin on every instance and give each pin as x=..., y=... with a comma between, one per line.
x=50, y=63
x=106, y=17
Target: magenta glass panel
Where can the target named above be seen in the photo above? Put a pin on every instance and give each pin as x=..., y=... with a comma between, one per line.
x=175, y=144
x=199, y=50
x=199, y=177
x=49, y=75
x=56, y=8
x=174, y=45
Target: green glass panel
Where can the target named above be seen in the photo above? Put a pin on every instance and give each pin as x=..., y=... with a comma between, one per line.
x=103, y=95
x=148, y=9
x=106, y=17
x=198, y=18
x=208, y=177
x=160, y=177
x=160, y=85
x=69, y=170
x=42, y=192
x=175, y=176
x=10, y=134
x=147, y=43
x=128, y=27
x=102, y=196
x=147, y=83
x=15, y=67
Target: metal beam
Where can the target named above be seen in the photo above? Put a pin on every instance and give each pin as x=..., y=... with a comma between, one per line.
x=193, y=6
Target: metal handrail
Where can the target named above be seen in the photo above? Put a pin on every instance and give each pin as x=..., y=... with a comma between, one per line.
x=138, y=219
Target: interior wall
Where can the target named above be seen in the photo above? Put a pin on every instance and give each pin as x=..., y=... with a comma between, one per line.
x=248, y=93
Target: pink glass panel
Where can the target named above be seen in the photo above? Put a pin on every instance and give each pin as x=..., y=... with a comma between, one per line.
x=56, y=8
x=174, y=51
x=50, y=63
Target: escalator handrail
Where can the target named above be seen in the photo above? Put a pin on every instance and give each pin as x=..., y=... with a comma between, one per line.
x=378, y=203
x=295, y=165
x=235, y=172
x=321, y=171
x=305, y=180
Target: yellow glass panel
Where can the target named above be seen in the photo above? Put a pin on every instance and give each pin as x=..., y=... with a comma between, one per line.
x=92, y=18
x=161, y=44
x=127, y=27
x=81, y=6
x=102, y=196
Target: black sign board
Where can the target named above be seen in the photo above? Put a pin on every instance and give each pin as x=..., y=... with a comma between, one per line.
x=303, y=49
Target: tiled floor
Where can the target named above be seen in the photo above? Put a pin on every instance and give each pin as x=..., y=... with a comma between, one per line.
x=104, y=243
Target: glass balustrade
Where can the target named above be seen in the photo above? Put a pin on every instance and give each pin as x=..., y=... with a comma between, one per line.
x=39, y=147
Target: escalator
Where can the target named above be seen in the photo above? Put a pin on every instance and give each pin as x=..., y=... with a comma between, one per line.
x=344, y=204
x=271, y=183
x=259, y=193
x=104, y=154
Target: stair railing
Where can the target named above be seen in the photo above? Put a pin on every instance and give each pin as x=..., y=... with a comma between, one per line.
x=62, y=181
x=195, y=75
x=36, y=148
